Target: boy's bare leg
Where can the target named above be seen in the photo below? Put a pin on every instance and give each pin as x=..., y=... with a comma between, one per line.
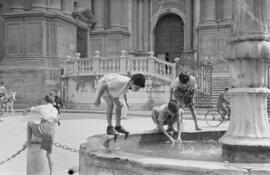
x=49, y=161
x=109, y=113
x=29, y=134
x=118, y=111
x=191, y=108
x=109, y=110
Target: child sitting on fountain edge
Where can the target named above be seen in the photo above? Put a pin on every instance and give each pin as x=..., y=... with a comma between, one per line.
x=169, y=114
x=111, y=87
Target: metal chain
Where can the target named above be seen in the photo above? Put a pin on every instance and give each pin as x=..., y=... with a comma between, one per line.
x=64, y=147
x=67, y=148
x=13, y=156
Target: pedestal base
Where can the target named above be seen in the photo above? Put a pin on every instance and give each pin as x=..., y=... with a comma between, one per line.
x=246, y=154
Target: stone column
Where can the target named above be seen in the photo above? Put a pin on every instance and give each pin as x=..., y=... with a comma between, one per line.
x=146, y=24
x=54, y=5
x=248, y=54
x=17, y=5
x=140, y=26
x=39, y=5
x=267, y=13
x=68, y=6
x=210, y=12
x=196, y=20
x=98, y=6
x=85, y=4
x=227, y=11
x=125, y=14
x=115, y=14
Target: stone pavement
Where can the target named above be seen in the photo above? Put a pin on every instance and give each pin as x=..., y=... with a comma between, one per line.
x=75, y=129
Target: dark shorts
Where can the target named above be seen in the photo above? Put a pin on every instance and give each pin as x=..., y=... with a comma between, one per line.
x=184, y=101
x=45, y=131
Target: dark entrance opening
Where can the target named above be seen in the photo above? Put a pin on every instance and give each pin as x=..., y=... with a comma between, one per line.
x=169, y=36
x=82, y=42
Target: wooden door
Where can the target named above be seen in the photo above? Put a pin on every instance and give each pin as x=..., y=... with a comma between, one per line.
x=169, y=36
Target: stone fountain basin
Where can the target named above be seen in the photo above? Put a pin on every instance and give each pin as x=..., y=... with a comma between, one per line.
x=100, y=155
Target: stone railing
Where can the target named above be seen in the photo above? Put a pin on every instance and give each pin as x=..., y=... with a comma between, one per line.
x=123, y=64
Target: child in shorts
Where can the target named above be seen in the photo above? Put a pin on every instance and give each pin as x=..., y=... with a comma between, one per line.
x=111, y=87
x=183, y=90
x=169, y=114
x=45, y=129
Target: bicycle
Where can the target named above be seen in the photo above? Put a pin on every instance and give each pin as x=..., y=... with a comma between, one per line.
x=213, y=118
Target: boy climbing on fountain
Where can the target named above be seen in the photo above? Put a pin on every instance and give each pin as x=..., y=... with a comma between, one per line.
x=111, y=87
x=169, y=114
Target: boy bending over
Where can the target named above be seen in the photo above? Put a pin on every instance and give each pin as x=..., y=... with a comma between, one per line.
x=168, y=114
x=46, y=128
x=111, y=87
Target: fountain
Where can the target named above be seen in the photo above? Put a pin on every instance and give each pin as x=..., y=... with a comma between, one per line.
x=247, y=53
x=244, y=148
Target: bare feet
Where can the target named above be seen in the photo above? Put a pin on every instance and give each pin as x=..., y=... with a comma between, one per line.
x=198, y=129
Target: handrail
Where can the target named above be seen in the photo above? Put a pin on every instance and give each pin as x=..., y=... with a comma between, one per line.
x=150, y=65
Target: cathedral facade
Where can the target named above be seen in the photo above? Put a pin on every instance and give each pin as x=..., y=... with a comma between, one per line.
x=36, y=35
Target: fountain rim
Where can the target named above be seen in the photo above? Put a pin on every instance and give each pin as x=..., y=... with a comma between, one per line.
x=94, y=148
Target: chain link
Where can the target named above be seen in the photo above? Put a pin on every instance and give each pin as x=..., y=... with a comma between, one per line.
x=13, y=156
x=67, y=148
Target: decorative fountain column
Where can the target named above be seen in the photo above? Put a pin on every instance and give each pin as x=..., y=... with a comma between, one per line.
x=247, y=53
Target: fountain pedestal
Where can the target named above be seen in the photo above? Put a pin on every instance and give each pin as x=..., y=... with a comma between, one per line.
x=248, y=136
x=248, y=54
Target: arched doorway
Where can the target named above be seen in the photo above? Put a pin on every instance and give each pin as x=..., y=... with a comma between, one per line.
x=169, y=36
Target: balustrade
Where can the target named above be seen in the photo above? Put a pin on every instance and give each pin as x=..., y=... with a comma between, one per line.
x=122, y=64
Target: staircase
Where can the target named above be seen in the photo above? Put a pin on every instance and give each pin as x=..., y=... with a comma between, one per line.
x=157, y=79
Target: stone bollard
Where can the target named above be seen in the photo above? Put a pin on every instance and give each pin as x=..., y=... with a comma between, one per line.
x=37, y=163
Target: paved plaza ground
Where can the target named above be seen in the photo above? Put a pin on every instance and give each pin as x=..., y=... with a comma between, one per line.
x=74, y=130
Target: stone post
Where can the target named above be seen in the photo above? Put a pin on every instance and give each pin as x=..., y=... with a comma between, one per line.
x=248, y=54
x=76, y=63
x=123, y=62
x=37, y=163
x=151, y=62
x=96, y=61
x=78, y=55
